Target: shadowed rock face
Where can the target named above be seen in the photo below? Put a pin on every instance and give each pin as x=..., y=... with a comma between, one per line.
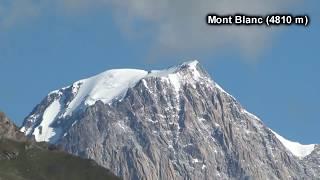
x=197, y=131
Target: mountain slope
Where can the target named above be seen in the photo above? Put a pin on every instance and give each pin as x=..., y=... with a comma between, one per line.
x=23, y=159
x=170, y=124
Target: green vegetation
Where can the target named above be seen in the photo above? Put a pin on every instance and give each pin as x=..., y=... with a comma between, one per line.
x=34, y=161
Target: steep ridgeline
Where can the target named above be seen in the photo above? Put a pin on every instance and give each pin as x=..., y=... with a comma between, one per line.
x=170, y=124
x=25, y=159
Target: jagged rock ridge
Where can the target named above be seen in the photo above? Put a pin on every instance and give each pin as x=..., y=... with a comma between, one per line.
x=170, y=124
x=9, y=130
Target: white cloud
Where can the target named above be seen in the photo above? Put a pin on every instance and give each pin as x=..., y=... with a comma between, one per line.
x=180, y=25
x=17, y=11
x=176, y=25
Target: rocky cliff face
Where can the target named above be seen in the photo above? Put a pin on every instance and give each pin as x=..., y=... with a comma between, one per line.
x=170, y=124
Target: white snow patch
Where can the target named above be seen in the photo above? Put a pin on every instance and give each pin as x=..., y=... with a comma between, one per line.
x=44, y=132
x=203, y=166
x=23, y=129
x=122, y=125
x=195, y=160
x=152, y=121
x=31, y=119
x=145, y=84
x=201, y=119
x=105, y=87
x=175, y=81
x=74, y=123
x=295, y=148
x=216, y=124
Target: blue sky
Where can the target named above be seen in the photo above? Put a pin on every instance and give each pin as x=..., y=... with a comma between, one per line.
x=273, y=72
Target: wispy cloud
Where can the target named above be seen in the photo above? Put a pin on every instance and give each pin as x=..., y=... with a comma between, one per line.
x=180, y=25
x=176, y=25
x=13, y=12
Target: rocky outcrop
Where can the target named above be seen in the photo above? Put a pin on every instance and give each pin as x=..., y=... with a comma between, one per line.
x=25, y=159
x=9, y=130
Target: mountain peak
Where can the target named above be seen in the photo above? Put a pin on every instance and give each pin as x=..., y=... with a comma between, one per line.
x=108, y=86
x=176, y=122
x=191, y=64
x=113, y=84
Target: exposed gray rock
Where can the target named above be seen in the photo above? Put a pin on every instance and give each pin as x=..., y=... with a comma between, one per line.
x=9, y=130
x=313, y=162
x=157, y=131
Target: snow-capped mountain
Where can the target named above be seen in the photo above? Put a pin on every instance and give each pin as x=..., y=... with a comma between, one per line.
x=169, y=124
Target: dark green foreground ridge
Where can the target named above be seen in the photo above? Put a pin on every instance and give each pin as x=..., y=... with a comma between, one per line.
x=23, y=159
